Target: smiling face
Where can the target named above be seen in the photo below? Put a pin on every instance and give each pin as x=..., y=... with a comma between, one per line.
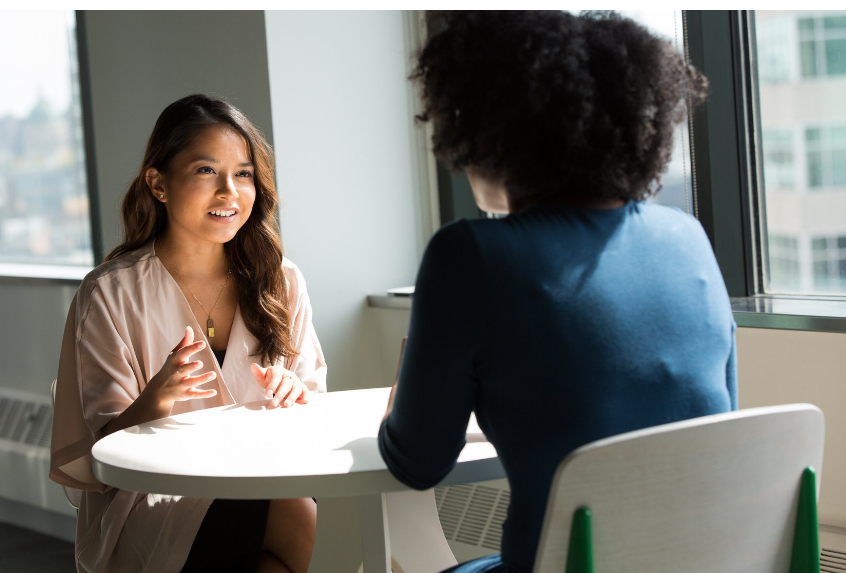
x=209, y=189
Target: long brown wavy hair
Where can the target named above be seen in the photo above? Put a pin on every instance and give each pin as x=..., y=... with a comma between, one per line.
x=255, y=253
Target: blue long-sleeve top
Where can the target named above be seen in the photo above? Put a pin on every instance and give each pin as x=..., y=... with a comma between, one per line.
x=558, y=326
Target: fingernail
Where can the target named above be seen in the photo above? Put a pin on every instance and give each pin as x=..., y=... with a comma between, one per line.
x=214, y=375
x=199, y=363
x=287, y=403
x=202, y=344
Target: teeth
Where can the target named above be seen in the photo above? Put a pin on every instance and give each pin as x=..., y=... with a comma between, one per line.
x=220, y=213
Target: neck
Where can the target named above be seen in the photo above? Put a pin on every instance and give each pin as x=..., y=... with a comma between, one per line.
x=191, y=260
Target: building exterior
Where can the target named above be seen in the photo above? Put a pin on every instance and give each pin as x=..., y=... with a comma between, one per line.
x=801, y=65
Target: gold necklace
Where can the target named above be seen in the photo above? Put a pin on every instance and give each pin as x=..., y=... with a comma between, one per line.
x=210, y=322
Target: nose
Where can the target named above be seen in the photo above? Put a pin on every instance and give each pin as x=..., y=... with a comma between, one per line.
x=228, y=188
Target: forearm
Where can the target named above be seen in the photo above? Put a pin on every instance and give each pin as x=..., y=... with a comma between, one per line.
x=145, y=408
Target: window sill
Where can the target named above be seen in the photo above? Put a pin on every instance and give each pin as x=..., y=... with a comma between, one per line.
x=40, y=273
x=389, y=301
x=779, y=312
x=790, y=313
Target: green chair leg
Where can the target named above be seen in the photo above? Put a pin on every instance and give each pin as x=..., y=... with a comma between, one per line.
x=806, y=541
x=580, y=552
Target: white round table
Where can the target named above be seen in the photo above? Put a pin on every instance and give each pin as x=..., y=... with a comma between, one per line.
x=326, y=449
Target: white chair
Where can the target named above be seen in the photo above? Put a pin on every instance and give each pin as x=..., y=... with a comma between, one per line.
x=717, y=494
x=74, y=496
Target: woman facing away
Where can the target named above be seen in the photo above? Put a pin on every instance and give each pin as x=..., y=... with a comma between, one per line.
x=586, y=312
x=196, y=308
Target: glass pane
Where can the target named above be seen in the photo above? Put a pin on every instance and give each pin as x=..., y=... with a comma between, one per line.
x=838, y=168
x=815, y=169
x=811, y=213
x=809, y=58
x=44, y=215
x=835, y=57
x=834, y=22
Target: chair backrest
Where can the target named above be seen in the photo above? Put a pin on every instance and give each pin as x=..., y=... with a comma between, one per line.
x=717, y=494
x=74, y=495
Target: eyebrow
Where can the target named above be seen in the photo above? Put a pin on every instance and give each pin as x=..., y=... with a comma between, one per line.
x=213, y=160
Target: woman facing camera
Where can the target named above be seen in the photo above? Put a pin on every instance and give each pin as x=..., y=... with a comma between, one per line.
x=196, y=308
x=586, y=312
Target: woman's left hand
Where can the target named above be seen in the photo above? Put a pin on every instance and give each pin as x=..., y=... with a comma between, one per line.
x=281, y=385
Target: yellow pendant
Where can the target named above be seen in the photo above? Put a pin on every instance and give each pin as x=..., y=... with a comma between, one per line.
x=210, y=326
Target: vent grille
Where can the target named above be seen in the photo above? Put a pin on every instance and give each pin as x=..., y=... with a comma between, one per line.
x=832, y=561
x=25, y=422
x=473, y=514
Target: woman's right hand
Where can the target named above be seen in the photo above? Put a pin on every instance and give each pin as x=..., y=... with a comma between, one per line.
x=174, y=382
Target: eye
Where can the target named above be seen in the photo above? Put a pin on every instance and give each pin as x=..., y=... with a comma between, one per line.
x=206, y=170
x=244, y=173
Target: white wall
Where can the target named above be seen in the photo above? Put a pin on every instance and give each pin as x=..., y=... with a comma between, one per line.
x=347, y=175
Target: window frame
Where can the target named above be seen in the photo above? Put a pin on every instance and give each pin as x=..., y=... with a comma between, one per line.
x=728, y=164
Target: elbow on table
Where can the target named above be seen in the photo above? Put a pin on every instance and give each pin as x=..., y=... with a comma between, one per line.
x=418, y=481
x=416, y=476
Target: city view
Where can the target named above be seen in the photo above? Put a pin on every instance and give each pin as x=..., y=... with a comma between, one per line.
x=802, y=78
x=44, y=211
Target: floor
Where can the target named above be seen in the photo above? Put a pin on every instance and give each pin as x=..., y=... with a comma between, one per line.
x=25, y=551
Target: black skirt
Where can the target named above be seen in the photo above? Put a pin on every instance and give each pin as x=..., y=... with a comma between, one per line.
x=231, y=537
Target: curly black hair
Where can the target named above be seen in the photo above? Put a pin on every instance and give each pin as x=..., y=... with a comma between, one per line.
x=557, y=106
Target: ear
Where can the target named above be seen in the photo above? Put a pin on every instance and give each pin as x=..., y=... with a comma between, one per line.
x=155, y=182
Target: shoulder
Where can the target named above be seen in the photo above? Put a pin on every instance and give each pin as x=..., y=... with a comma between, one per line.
x=117, y=275
x=457, y=237
x=672, y=218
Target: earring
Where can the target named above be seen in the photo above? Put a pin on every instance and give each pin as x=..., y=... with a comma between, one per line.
x=161, y=196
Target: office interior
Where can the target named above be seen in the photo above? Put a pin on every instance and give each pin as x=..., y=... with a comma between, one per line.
x=359, y=194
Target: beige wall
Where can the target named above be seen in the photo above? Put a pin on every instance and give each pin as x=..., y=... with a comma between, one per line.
x=786, y=366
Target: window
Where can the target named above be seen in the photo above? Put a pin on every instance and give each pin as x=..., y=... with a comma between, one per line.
x=44, y=211
x=803, y=150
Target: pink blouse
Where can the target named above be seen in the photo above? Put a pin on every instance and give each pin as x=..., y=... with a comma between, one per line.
x=126, y=317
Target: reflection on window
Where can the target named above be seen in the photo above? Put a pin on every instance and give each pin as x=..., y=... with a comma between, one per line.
x=44, y=211
x=801, y=88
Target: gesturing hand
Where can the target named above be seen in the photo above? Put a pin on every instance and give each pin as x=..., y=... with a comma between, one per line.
x=173, y=383
x=281, y=385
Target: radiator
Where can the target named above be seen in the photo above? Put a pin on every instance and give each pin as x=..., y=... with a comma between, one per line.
x=26, y=421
